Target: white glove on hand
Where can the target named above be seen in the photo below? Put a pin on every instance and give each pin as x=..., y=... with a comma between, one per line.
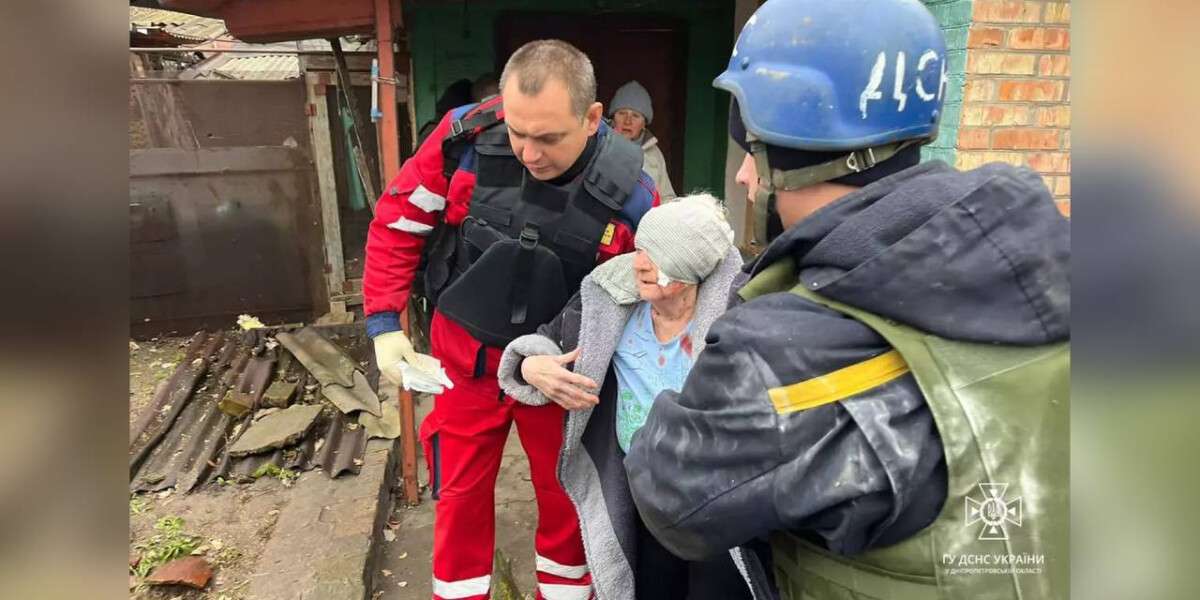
x=391, y=348
x=405, y=367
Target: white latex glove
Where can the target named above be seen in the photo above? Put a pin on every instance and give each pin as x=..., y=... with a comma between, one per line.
x=405, y=367
x=390, y=349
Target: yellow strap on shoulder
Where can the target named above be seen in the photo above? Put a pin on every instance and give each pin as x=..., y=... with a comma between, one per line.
x=838, y=385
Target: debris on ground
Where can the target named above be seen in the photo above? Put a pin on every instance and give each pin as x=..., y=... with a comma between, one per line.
x=504, y=587
x=279, y=394
x=249, y=322
x=286, y=476
x=167, y=544
x=191, y=571
x=342, y=381
x=226, y=384
x=276, y=430
x=386, y=426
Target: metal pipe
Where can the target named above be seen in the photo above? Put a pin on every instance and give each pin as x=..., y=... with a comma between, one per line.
x=389, y=153
x=389, y=132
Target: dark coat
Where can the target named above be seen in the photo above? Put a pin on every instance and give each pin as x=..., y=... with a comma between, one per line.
x=980, y=256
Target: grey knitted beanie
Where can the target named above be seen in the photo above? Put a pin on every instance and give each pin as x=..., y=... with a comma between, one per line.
x=632, y=95
x=687, y=238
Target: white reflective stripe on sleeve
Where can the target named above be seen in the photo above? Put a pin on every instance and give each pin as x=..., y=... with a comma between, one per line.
x=426, y=200
x=463, y=588
x=547, y=565
x=558, y=591
x=403, y=224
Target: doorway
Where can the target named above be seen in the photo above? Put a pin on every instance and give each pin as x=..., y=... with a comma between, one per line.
x=622, y=47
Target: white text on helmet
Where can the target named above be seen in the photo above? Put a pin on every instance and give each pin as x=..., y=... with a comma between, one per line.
x=875, y=81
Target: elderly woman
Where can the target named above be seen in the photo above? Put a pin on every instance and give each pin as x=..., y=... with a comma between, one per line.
x=631, y=112
x=636, y=325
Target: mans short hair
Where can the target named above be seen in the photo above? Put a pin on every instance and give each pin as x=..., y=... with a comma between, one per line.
x=539, y=60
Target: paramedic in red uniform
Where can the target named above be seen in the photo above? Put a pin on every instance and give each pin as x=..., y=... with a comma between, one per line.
x=517, y=198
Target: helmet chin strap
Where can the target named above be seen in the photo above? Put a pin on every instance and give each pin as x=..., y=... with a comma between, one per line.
x=772, y=180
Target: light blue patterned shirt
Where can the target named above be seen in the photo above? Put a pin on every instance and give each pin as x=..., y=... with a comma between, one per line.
x=645, y=367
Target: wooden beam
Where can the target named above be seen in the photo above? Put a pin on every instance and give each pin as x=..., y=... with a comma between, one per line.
x=322, y=153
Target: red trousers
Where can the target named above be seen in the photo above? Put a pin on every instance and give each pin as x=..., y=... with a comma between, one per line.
x=463, y=439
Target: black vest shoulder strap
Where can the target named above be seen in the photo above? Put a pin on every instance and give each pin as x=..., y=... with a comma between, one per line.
x=616, y=170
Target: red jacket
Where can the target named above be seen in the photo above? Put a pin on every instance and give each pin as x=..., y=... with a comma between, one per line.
x=420, y=197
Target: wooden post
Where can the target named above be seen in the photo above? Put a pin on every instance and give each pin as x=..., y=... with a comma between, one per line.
x=322, y=147
x=389, y=153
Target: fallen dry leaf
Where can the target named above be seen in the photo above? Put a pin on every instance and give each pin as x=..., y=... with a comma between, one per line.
x=389, y=535
x=386, y=573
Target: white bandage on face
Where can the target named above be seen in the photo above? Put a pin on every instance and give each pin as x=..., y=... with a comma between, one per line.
x=663, y=280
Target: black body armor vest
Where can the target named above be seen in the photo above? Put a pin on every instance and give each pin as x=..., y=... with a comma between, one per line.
x=525, y=245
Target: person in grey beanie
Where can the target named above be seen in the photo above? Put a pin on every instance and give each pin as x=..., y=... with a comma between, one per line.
x=633, y=330
x=631, y=111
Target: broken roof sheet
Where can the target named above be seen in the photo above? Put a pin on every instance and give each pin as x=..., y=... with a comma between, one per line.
x=180, y=25
x=183, y=438
x=267, y=67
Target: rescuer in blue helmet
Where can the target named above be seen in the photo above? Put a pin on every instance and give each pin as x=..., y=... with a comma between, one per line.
x=887, y=402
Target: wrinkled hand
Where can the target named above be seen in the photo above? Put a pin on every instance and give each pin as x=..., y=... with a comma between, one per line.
x=391, y=348
x=551, y=377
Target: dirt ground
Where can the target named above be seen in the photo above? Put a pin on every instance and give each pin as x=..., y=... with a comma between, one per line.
x=150, y=362
x=405, y=563
x=231, y=540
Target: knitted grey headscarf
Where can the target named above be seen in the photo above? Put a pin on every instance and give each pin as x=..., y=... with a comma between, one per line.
x=686, y=239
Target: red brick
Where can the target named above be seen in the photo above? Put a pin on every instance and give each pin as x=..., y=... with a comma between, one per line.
x=191, y=571
x=1049, y=162
x=978, y=90
x=985, y=37
x=1055, y=65
x=1062, y=186
x=1039, y=38
x=1053, y=116
x=1007, y=11
x=995, y=114
x=1031, y=90
x=973, y=138
x=1057, y=12
x=967, y=160
x=1064, y=207
x=1025, y=139
x=1001, y=63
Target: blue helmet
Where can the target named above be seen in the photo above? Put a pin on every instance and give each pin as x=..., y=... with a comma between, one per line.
x=832, y=75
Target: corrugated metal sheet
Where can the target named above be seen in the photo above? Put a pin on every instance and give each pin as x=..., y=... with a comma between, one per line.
x=177, y=24
x=267, y=67
x=182, y=439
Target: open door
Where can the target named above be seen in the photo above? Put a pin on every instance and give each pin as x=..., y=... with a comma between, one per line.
x=652, y=50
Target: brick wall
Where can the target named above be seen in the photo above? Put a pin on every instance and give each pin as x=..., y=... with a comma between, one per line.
x=1016, y=99
x=954, y=16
